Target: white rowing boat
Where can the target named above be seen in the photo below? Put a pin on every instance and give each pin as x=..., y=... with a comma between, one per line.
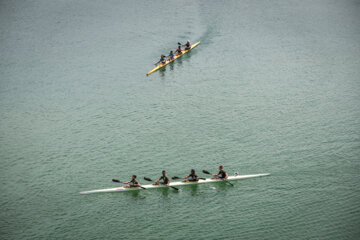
x=173, y=184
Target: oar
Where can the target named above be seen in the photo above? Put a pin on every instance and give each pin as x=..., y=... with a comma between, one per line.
x=118, y=181
x=206, y=172
x=158, y=62
x=174, y=178
x=149, y=179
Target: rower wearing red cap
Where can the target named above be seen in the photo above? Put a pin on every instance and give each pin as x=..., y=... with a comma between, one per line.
x=222, y=174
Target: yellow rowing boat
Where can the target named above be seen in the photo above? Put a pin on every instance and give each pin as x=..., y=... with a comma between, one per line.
x=175, y=57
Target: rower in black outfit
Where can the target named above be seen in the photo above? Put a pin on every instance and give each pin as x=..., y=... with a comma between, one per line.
x=165, y=179
x=132, y=183
x=221, y=175
x=192, y=177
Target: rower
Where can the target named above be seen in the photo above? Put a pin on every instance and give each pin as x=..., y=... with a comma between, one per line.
x=165, y=179
x=187, y=45
x=132, y=183
x=162, y=60
x=221, y=175
x=178, y=50
x=192, y=177
x=171, y=55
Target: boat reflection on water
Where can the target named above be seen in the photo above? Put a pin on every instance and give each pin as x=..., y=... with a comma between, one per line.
x=162, y=72
x=134, y=194
x=171, y=65
x=221, y=186
x=194, y=189
x=165, y=192
x=180, y=61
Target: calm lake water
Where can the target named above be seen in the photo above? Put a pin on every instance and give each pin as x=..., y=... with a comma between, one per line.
x=272, y=88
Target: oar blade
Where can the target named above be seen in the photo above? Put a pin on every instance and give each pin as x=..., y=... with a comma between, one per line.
x=206, y=172
x=148, y=179
x=229, y=182
x=115, y=180
x=175, y=177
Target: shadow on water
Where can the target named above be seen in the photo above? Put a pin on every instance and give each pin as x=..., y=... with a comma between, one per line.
x=187, y=56
x=164, y=191
x=179, y=60
x=139, y=194
x=162, y=72
x=171, y=66
x=133, y=194
x=194, y=189
x=222, y=186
